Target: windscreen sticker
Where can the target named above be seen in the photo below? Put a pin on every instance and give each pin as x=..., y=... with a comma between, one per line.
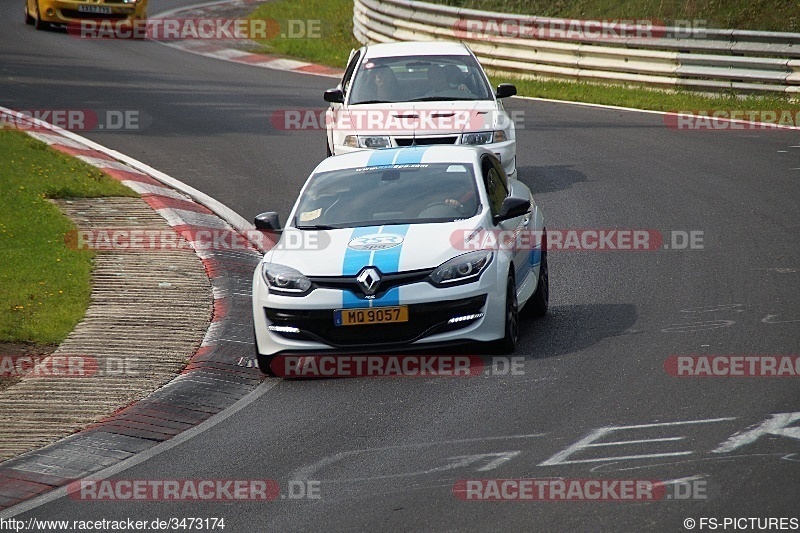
x=389, y=167
x=310, y=215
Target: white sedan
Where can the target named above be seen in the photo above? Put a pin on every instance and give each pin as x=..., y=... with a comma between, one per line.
x=401, y=248
x=401, y=94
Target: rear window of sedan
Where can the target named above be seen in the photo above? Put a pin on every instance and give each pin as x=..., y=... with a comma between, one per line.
x=391, y=194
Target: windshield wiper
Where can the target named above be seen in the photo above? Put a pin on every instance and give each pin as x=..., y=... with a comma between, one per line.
x=373, y=102
x=319, y=226
x=438, y=99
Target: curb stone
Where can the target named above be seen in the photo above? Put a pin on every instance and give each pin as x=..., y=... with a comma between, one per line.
x=218, y=373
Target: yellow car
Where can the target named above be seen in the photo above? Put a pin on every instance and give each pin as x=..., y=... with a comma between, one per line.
x=42, y=13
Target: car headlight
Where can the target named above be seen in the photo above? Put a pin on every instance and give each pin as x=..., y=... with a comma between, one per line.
x=462, y=269
x=367, y=141
x=484, y=137
x=284, y=280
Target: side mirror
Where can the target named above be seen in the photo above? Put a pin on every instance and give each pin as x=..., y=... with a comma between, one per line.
x=268, y=221
x=336, y=96
x=512, y=207
x=504, y=90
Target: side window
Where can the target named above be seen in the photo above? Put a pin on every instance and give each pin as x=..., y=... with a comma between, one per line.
x=348, y=73
x=496, y=187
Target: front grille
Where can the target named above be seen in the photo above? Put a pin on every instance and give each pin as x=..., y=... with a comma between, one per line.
x=423, y=320
x=408, y=141
x=349, y=283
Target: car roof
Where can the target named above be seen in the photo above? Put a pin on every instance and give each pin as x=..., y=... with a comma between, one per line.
x=418, y=48
x=406, y=155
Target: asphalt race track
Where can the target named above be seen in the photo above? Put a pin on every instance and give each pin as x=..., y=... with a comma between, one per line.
x=386, y=453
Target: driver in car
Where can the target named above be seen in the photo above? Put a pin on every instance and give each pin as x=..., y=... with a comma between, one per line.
x=440, y=85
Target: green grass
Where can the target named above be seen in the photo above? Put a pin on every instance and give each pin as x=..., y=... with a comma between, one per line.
x=330, y=46
x=768, y=15
x=45, y=284
x=337, y=23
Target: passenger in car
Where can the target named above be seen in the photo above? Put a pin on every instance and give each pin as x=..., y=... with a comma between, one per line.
x=382, y=85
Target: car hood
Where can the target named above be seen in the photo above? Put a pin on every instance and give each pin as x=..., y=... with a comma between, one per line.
x=420, y=118
x=390, y=248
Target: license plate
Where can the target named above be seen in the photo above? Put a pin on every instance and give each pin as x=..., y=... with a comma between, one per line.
x=370, y=315
x=95, y=9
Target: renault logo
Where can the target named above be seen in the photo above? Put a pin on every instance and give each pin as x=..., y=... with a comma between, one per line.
x=369, y=279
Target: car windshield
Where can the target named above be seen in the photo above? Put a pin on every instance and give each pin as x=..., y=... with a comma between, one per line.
x=419, y=79
x=396, y=194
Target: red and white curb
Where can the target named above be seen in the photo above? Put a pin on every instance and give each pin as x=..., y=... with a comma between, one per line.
x=218, y=375
x=219, y=51
x=183, y=211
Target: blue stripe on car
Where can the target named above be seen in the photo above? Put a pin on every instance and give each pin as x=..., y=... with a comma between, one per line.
x=355, y=260
x=403, y=156
x=387, y=261
x=381, y=158
x=522, y=271
x=409, y=156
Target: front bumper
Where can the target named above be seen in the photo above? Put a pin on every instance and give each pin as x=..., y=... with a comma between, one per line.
x=430, y=310
x=65, y=12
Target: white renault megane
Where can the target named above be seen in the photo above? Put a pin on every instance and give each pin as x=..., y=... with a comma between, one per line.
x=388, y=249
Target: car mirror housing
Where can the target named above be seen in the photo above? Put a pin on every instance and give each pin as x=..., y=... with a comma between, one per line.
x=512, y=207
x=268, y=221
x=504, y=90
x=335, y=96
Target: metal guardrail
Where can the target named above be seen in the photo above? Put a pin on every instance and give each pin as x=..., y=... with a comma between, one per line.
x=694, y=58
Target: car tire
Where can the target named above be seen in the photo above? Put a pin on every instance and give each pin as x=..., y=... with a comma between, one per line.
x=28, y=17
x=38, y=23
x=508, y=343
x=264, y=361
x=540, y=301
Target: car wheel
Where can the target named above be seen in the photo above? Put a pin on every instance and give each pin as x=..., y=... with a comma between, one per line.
x=508, y=343
x=38, y=23
x=28, y=17
x=540, y=301
x=264, y=361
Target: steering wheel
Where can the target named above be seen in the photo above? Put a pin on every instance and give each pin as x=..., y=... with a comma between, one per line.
x=438, y=209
